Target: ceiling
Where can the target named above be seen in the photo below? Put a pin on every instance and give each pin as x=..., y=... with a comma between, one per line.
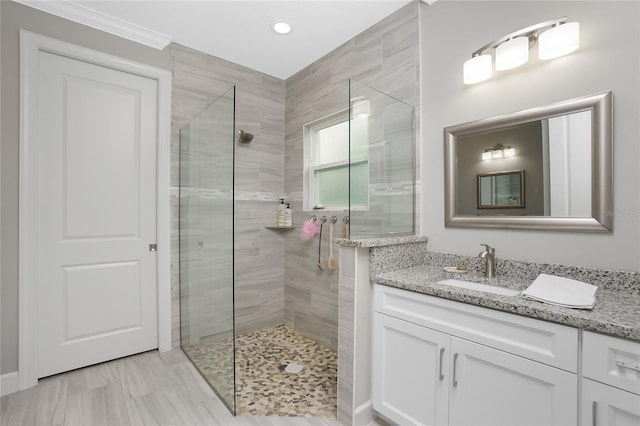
x=236, y=30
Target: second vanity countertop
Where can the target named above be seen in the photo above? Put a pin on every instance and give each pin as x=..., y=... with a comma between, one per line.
x=616, y=313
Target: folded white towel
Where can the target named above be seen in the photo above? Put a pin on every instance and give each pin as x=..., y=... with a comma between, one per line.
x=563, y=292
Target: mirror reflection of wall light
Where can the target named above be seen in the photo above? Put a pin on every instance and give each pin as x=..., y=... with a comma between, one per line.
x=498, y=151
x=360, y=109
x=555, y=38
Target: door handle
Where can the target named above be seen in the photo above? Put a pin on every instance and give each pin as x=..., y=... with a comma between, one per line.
x=441, y=360
x=455, y=362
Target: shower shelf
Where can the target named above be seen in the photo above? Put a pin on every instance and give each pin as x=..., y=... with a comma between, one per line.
x=280, y=227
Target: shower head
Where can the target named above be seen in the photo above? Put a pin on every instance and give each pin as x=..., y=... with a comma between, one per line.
x=244, y=137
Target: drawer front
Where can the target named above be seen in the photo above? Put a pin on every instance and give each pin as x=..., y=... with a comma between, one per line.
x=611, y=360
x=541, y=341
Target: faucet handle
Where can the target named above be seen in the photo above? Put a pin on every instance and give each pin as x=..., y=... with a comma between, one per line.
x=489, y=248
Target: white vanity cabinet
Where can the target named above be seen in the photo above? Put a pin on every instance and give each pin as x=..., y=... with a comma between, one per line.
x=409, y=370
x=491, y=387
x=611, y=381
x=438, y=362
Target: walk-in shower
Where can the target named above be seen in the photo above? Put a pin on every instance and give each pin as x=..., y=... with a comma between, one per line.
x=277, y=370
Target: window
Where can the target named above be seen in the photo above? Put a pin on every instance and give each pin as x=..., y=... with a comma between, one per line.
x=326, y=165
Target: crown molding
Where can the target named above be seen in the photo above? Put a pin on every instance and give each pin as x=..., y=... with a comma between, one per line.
x=75, y=12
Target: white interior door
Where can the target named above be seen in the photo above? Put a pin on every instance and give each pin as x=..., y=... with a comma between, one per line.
x=97, y=294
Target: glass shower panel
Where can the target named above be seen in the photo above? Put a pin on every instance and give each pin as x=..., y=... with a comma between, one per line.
x=206, y=244
x=382, y=172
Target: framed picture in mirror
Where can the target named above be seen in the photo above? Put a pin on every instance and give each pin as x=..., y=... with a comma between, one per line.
x=501, y=190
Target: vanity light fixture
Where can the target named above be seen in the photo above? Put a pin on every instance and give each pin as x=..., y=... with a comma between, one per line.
x=498, y=151
x=555, y=38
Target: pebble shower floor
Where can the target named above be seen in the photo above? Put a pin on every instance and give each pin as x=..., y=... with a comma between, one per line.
x=263, y=385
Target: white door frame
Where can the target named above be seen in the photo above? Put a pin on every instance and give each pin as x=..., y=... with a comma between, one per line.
x=30, y=46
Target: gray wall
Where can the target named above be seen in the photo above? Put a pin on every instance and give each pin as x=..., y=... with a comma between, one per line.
x=385, y=57
x=15, y=17
x=198, y=79
x=608, y=59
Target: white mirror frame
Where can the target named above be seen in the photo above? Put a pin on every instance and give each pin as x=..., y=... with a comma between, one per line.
x=601, y=107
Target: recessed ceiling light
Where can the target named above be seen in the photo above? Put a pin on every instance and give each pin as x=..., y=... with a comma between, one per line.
x=281, y=27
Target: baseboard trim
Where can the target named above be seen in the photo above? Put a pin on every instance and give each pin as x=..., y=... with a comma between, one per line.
x=364, y=414
x=8, y=383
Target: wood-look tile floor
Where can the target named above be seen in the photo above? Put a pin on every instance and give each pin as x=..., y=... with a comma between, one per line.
x=152, y=388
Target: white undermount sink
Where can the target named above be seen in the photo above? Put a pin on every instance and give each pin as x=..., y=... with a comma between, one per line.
x=481, y=287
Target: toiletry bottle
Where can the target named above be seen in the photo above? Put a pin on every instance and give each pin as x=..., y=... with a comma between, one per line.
x=280, y=214
x=288, y=216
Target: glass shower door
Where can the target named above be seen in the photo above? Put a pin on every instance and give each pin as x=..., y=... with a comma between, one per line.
x=381, y=164
x=206, y=244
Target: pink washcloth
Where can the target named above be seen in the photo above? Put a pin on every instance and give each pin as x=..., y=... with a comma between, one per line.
x=309, y=229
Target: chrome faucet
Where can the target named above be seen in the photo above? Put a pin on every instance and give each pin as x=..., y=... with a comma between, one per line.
x=489, y=255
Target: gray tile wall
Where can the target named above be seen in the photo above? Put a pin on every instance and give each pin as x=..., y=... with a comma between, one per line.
x=384, y=57
x=199, y=79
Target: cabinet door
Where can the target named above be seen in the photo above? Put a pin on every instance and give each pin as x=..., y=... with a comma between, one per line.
x=604, y=405
x=410, y=372
x=491, y=387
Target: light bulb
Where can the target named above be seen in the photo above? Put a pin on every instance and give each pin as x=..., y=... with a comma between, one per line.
x=282, y=28
x=477, y=69
x=559, y=40
x=512, y=53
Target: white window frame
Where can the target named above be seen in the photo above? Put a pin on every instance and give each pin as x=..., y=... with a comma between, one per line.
x=310, y=136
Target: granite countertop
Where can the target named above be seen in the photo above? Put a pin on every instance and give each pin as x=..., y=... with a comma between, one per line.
x=616, y=313
x=380, y=241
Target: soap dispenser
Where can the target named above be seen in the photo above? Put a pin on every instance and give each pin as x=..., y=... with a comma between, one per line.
x=288, y=216
x=280, y=213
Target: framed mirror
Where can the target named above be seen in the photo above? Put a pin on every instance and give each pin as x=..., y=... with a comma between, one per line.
x=561, y=154
x=501, y=190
